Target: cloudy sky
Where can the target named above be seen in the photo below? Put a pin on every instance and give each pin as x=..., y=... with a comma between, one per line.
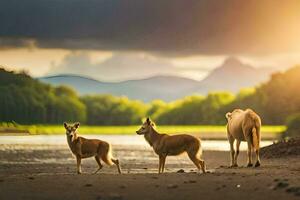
x=123, y=39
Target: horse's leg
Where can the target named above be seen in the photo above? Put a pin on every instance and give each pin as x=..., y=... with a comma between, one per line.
x=231, y=141
x=249, y=152
x=257, y=164
x=238, y=142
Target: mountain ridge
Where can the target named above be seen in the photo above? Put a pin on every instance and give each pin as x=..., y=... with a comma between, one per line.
x=231, y=76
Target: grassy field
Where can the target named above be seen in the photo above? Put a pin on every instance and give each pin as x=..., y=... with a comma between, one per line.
x=205, y=131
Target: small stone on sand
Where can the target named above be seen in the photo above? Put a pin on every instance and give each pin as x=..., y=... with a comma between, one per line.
x=282, y=185
x=172, y=186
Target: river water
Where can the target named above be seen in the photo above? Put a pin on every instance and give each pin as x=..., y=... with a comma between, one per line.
x=122, y=140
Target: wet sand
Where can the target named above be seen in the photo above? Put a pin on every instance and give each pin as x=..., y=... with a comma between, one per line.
x=49, y=172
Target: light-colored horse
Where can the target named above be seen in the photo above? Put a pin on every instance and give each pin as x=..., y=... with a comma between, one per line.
x=243, y=126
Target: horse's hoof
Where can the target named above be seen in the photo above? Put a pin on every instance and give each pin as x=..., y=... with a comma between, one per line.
x=250, y=165
x=257, y=164
x=233, y=166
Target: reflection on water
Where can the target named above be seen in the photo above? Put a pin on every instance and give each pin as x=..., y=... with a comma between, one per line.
x=136, y=140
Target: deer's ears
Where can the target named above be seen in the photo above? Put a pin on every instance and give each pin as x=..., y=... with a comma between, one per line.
x=76, y=125
x=148, y=121
x=65, y=124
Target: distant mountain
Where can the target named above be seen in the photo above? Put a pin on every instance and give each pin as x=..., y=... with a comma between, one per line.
x=167, y=88
x=232, y=75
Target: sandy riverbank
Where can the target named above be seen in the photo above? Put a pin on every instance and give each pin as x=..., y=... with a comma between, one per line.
x=48, y=172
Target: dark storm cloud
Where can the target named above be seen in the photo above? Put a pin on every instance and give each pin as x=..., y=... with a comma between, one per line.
x=163, y=26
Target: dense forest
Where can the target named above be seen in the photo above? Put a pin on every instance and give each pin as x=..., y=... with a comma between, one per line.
x=25, y=100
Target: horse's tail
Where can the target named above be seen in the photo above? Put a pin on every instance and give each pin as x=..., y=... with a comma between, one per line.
x=255, y=130
x=255, y=138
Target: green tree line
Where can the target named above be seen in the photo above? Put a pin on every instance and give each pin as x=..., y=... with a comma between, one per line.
x=28, y=101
